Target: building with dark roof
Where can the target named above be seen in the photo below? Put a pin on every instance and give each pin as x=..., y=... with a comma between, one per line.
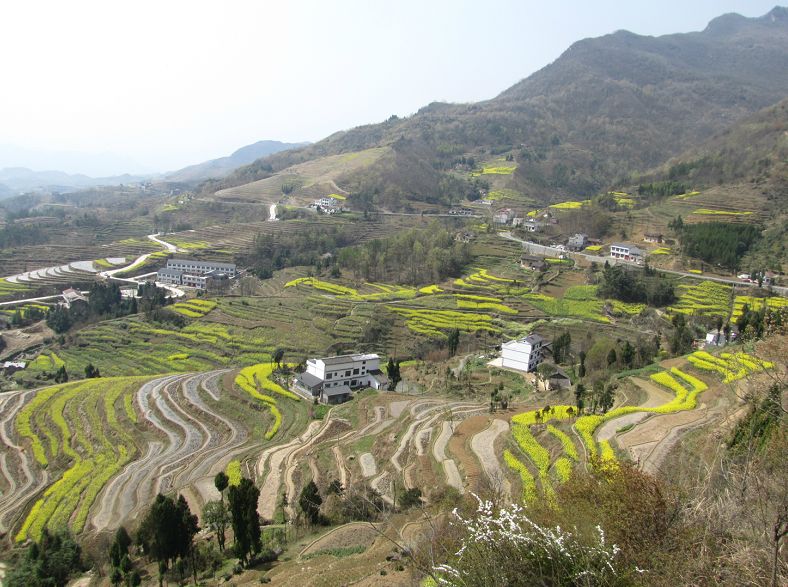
x=324, y=376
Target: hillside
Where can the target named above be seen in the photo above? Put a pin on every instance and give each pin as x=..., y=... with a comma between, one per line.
x=607, y=107
x=224, y=165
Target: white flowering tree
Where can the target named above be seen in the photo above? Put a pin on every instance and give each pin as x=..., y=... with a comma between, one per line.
x=505, y=547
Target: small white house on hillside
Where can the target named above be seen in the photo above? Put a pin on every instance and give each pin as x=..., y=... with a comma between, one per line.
x=523, y=354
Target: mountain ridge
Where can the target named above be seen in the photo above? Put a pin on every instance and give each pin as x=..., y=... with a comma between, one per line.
x=607, y=107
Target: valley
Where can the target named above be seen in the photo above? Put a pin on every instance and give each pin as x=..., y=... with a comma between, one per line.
x=536, y=339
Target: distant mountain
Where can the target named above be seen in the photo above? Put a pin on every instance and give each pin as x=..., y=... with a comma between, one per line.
x=606, y=108
x=218, y=168
x=16, y=180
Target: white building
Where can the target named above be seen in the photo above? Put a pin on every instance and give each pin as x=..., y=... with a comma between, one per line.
x=194, y=273
x=201, y=267
x=523, y=354
x=714, y=338
x=503, y=216
x=626, y=253
x=332, y=379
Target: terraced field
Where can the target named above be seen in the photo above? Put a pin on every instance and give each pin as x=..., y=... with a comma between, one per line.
x=548, y=443
x=101, y=449
x=708, y=298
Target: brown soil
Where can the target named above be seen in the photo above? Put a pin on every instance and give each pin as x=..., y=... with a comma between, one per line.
x=459, y=447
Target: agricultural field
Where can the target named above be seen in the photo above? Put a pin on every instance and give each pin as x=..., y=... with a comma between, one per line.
x=729, y=366
x=707, y=298
x=495, y=167
x=710, y=212
x=756, y=304
x=94, y=453
x=548, y=443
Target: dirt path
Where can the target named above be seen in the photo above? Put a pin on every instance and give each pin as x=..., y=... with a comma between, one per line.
x=210, y=383
x=483, y=446
x=330, y=424
x=656, y=396
x=439, y=447
x=344, y=474
x=450, y=468
x=275, y=457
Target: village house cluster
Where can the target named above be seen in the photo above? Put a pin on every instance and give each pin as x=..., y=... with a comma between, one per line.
x=327, y=205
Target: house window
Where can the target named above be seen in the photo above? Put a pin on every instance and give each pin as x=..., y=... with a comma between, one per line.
x=329, y=375
x=347, y=373
x=355, y=371
x=353, y=382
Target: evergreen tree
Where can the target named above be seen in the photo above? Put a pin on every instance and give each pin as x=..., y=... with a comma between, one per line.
x=310, y=502
x=61, y=375
x=453, y=341
x=167, y=531
x=242, y=500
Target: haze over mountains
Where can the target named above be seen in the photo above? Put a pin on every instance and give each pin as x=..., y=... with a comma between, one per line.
x=14, y=180
x=224, y=165
x=608, y=107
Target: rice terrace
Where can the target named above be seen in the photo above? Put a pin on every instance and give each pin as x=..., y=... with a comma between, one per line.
x=538, y=339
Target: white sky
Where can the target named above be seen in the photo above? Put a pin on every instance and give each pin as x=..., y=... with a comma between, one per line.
x=156, y=85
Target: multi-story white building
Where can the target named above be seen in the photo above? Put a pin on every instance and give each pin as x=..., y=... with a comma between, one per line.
x=523, y=354
x=332, y=379
x=201, y=267
x=194, y=273
x=626, y=253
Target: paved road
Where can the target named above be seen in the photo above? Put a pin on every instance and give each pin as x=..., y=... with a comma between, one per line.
x=537, y=249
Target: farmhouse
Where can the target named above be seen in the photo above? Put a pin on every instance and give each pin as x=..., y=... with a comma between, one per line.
x=651, y=237
x=532, y=262
x=503, y=216
x=626, y=253
x=194, y=273
x=714, y=338
x=558, y=380
x=577, y=242
x=332, y=380
x=524, y=354
x=532, y=225
x=465, y=236
x=71, y=295
x=11, y=367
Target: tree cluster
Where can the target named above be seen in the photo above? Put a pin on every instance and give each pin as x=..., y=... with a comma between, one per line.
x=167, y=533
x=660, y=190
x=50, y=562
x=718, y=243
x=636, y=286
x=299, y=247
x=105, y=301
x=411, y=256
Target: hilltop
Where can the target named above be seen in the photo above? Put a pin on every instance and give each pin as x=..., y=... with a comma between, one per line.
x=224, y=165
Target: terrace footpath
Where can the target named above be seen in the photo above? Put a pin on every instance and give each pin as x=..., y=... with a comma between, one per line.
x=538, y=249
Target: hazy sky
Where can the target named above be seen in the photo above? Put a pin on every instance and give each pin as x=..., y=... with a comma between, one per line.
x=157, y=85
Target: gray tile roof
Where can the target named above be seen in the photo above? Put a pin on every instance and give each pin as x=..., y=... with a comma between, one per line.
x=309, y=380
x=338, y=390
